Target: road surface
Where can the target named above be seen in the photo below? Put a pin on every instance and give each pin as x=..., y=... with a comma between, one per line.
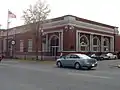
x=16, y=75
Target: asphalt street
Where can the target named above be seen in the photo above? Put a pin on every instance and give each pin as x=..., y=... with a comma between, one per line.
x=16, y=75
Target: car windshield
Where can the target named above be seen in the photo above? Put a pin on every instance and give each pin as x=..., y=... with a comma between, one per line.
x=93, y=55
x=84, y=57
x=109, y=54
x=62, y=56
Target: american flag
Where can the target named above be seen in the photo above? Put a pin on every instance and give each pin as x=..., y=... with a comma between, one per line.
x=11, y=15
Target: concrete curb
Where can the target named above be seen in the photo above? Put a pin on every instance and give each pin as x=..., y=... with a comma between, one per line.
x=35, y=61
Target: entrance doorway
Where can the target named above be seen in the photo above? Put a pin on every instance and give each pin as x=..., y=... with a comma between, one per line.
x=54, y=45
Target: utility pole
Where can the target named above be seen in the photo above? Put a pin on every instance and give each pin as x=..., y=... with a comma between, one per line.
x=0, y=26
x=7, y=38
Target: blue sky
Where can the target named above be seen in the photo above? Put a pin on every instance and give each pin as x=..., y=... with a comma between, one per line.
x=104, y=11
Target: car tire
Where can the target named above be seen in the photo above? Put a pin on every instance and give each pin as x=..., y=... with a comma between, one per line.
x=59, y=64
x=77, y=66
x=115, y=58
x=102, y=59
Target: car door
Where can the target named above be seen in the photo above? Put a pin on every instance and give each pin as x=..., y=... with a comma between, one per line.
x=66, y=59
x=73, y=59
x=70, y=59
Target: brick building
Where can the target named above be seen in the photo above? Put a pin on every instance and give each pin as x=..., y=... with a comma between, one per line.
x=63, y=34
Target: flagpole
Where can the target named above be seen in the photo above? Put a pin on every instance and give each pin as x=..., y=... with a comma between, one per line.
x=0, y=26
x=7, y=33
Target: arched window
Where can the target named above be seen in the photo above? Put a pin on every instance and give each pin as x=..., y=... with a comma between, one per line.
x=106, y=44
x=84, y=43
x=54, y=41
x=96, y=44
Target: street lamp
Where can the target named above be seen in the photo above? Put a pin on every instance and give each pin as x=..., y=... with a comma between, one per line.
x=13, y=42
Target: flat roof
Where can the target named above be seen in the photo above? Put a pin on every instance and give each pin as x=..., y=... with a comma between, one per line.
x=92, y=22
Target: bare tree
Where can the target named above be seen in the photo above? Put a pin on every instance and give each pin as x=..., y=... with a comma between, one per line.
x=35, y=15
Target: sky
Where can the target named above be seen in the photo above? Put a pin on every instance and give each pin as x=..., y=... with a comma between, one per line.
x=104, y=11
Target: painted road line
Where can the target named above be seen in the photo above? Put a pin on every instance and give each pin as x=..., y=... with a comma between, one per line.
x=89, y=75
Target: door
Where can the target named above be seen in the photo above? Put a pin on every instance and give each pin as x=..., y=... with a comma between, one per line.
x=54, y=45
x=54, y=50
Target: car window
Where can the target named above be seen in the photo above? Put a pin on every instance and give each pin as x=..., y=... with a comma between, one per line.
x=74, y=56
x=62, y=56
x=103, y=55
x=68, y=56
x=85, y=57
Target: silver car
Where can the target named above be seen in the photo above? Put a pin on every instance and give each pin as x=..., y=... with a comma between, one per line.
x=77, y=61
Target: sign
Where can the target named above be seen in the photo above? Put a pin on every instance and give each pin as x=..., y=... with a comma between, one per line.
x=13, y=42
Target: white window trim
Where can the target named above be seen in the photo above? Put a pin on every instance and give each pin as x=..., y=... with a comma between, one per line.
x=50, y=41
x=97, y=46
x=107, y=46
x=86, y=46
x=30, y=46
x=21, y=47
x=60, y=39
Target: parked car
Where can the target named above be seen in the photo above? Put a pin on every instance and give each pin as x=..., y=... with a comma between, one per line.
x=104, y=56
x=111, y=56
x=118, y=55
x=97, y=57
x=77, y=61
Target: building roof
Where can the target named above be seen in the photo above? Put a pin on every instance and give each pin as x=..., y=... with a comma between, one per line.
x=76, y=18
x=92, y=22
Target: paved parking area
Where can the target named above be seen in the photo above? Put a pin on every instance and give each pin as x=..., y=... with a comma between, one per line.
x=16, y=75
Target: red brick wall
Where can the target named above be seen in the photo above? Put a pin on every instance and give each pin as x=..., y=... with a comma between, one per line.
x=69, y=42
x=117, y=43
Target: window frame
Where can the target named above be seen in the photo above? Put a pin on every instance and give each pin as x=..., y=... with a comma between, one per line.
x=30, y=45
x=22, y=47
x=86, y=45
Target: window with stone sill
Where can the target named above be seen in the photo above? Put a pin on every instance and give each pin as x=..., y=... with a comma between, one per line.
x=96, y=48
x=84, y=43
x=106, y=44
x=106, y=49
x=30, y=45
x=21, y=45
x=96, y=44
x=84, y=48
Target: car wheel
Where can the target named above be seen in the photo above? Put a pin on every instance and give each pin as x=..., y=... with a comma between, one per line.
x=59, y=64
x=77, y=66
x=101, y=59
x=115, y=58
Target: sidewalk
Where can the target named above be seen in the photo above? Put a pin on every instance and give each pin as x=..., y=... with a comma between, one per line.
x=28, y=61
